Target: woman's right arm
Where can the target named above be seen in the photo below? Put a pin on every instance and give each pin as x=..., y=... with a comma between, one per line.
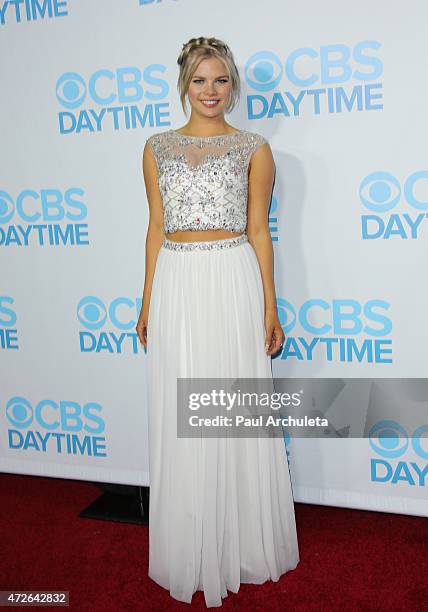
x=154, y=237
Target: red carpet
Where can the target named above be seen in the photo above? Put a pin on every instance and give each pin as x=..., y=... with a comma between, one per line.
x=349, y=559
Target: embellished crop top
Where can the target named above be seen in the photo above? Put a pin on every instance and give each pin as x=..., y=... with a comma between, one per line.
x=203, y=180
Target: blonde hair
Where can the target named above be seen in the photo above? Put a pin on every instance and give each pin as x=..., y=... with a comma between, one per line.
x=194, y=51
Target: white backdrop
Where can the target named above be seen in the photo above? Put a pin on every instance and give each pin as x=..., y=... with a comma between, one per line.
x=340, y=92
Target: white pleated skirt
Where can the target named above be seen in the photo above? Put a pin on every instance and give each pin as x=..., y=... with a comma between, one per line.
x=221, y=509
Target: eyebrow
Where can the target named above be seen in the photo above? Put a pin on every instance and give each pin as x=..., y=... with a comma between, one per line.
x=222, y=76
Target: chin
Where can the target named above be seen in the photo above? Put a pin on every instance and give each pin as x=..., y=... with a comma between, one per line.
x=218, y=110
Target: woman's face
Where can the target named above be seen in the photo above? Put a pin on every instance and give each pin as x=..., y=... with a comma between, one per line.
x=210, y=82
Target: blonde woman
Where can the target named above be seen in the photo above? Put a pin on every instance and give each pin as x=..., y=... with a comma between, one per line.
x=221, y=509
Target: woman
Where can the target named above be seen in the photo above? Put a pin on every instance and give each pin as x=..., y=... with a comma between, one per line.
x=221, y=509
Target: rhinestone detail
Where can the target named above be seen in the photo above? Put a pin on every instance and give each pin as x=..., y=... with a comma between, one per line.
x=203, y=180
x=208, y=245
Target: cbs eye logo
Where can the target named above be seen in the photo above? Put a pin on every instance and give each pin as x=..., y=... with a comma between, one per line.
x=390, y=440
x=121, y=313
x=286, y=314
x=91, y=312
x=19, y=412
x=380, y=191
x=71, y=90
x=7, y=207
x=263, y=71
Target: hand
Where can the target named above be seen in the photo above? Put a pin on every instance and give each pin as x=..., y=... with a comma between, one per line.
x=274, y=335
x=141, y=327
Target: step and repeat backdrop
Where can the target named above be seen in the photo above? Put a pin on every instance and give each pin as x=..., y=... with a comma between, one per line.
x=340, y=92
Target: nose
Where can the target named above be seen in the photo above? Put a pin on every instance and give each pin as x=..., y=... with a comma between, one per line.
x=210, y=89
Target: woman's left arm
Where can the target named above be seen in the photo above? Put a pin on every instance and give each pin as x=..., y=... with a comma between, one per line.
x=260, y=184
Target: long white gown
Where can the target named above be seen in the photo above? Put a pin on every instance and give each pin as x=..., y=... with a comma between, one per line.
x=221, y=509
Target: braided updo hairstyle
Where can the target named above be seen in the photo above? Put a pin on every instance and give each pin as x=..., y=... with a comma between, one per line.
x=197, y=49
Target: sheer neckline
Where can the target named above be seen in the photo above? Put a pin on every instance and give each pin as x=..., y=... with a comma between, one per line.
x=206, y=137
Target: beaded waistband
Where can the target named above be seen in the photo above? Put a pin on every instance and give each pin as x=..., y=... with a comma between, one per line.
x=209, y=245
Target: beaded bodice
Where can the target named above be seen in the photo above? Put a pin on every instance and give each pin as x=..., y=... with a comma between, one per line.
x=204, y=180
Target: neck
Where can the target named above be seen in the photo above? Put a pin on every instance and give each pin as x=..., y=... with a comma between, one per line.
x=208, y=127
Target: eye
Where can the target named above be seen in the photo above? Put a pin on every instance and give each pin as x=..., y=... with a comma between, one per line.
x=219, y=80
